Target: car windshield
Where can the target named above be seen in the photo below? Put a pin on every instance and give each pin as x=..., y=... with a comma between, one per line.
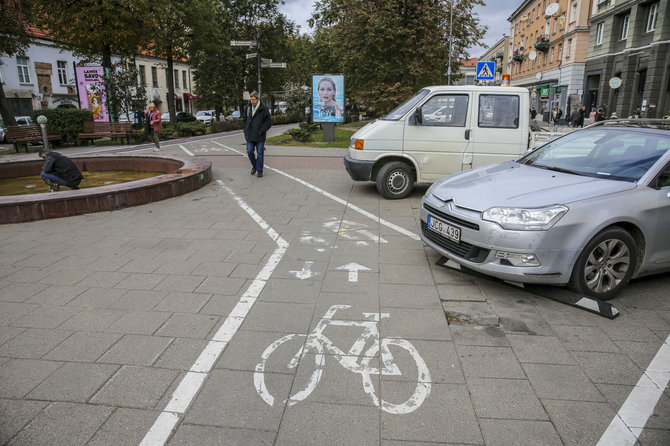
x=408, y=105
x=622, y=154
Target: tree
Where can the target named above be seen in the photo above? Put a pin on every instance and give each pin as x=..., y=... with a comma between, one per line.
x=388, y=50
x=14, y=39
x=131, y=96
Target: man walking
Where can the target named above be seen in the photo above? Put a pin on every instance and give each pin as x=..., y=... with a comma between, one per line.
x=256, y=124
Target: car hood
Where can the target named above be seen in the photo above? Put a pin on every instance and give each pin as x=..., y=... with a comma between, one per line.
x=516, y=185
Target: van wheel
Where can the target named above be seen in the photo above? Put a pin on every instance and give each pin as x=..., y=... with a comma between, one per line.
x=395, y=180
x=605, y=265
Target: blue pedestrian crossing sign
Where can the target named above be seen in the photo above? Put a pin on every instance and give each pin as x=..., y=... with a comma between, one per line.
x=485, y=70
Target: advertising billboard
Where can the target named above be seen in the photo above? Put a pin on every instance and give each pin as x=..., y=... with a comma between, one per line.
x=92, y=91
x=328, y=98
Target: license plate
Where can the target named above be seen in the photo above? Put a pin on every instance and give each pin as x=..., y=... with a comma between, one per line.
x=450, y=232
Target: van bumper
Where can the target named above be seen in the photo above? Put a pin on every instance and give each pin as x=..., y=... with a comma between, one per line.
x=358, y=170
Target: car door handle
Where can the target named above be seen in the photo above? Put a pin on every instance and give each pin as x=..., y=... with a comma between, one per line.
x=467, y=134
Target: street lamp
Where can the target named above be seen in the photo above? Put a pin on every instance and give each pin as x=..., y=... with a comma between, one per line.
x=42, y=121
x=451, y=43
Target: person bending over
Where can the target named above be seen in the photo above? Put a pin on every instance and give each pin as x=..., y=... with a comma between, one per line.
x=59, y=170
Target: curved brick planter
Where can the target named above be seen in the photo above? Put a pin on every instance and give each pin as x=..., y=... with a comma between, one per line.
x=181, y=176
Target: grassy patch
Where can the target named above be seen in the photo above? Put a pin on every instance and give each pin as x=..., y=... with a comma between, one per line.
x=343, y=134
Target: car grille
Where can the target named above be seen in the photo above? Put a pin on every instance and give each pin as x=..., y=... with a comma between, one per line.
x=452, y=219
x=461, y=249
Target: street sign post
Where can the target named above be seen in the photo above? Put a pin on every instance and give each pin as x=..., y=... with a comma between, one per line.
x=242, y=43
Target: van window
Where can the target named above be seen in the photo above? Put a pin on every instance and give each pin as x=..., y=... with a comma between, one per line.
x=408, y=105
x=447, y=110
x=499, y=111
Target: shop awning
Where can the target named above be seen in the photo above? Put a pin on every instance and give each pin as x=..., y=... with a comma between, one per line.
x=167, y=95
x=188, y=96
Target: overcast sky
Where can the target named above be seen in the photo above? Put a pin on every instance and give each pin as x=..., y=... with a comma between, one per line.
x=494, y=16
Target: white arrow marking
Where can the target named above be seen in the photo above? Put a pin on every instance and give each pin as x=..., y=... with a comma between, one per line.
x=353, y=269
x=306, y=271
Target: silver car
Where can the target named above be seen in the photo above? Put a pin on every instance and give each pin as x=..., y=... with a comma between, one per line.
x=590, y=210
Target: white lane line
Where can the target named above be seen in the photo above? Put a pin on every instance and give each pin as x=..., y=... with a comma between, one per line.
x=191, y=383
x=627, y=425
x=186, y=150
x=353, y=207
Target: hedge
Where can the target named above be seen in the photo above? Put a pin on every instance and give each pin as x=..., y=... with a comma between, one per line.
x=66, y=122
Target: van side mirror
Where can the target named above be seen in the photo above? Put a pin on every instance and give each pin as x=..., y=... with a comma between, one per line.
x=418, y=116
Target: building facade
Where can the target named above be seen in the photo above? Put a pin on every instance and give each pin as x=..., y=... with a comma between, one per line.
x=547, y=52
x=468, y=72
x=628, y=63
x=153, y=75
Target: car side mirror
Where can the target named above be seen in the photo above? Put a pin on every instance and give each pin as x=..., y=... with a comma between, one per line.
x=418, y=116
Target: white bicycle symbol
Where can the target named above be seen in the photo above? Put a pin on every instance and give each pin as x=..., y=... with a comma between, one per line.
x=354, y=360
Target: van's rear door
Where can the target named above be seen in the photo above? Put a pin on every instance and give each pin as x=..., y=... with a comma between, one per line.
x=500, y=132
x=439, y=140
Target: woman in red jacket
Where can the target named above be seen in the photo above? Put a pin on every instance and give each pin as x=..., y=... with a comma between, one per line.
x=152, y=118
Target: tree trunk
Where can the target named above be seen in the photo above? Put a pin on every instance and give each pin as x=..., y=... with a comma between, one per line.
x=170, y=84
x=5, y=112
x=107, y=66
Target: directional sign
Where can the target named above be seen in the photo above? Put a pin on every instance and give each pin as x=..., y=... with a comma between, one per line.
x=485, y=70
x=242, y=43
x=266, y=60
x=353, y=269
x=251, y=55
x=274, y=65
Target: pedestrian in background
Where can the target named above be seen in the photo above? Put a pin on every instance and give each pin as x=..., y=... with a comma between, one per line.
x=582, y=113
x=592, y=116
x=59, y=170
x=600, y=116
x=577, y=118
x=152, y=118
x=257, y=122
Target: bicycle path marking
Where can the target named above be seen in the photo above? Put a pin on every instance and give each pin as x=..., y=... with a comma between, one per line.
x=191, y=383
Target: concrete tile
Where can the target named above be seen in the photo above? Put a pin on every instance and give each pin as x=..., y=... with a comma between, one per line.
x=139, y=322
x=12, y=311
x=20, y=376
x=610, y=368
x=483, y=336
x=338, y=282
x=15, y=414
x=57, y=295
x=7, y=333
x=590, y=339
x=579, y=422
x=188, y=434
x=215, y=269
x=446, y=413
x=177, y=302
x=124, y=427
x=33, y=343
x=409, y=296
x=245, y=350
x=565, y=382
x=279, y=317
x=138, y=300
x=220, y=285
x=291, y=290
x=220, y=304
x=136, y=350
x=505, y=399
x=410, y=323
x=187, y=284
x=181, y=354
x=229, y=399
x=140, y=281
x=460, y=292
x=46, y=316
x=20, y=292
x=97, y=298
x=489, y=362
x=440, y=358
x=73, y=382
x=358, y=304
x=539, y=349
x=90, y=319
x=102, y=279
x=177, y=266
x=519, y=432
x=142, y=265
x=181, y=325
x=137, y=387
x=331, y=424
x=83, y=346
x=65, y=276
x=64, y=424
x=405, y=274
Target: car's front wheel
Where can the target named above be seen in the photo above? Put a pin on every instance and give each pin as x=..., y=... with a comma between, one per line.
x=395, y=180
x=605, y=265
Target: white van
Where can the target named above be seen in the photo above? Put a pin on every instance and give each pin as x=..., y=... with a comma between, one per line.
x=439, y=131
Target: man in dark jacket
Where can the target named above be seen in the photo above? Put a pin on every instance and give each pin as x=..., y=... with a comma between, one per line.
x=59, y=170
x=256, y=124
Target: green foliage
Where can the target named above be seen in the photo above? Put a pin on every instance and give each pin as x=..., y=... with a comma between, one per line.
x=186, y=129
x=66, y=122
x=226, y=126
x=304, y=132
x=286, y=118
x=13, y=36
x=123, y=85
x=388, y=50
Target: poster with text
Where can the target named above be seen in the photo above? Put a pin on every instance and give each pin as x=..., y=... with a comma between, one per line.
x=92, y=91
x=328, y=98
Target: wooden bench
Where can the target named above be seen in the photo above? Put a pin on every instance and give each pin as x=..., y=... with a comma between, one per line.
x=95, y=130
x=24, y=134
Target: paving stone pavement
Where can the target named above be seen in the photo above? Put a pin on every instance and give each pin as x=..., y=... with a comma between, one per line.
x=103, y=315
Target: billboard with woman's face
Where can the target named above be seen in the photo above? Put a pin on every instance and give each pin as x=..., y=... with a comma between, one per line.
x=328, y=98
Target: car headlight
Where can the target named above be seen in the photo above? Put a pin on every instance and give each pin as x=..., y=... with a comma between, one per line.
x=522, y=219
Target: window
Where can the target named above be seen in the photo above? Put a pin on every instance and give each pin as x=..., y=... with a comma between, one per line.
x=555, y=21
x=62, y=72
x=651, y=17
x=22, y=66
x=445, y=111
x=551, y=58
x=183, y=79
x=143, y=74
x=568, y=48
x=560, y=52
x=498, y=111
x=561, y=21
x=599, y=33
x=154, y=77
x=573, y=13
x=176, y=78
x=625, y=21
